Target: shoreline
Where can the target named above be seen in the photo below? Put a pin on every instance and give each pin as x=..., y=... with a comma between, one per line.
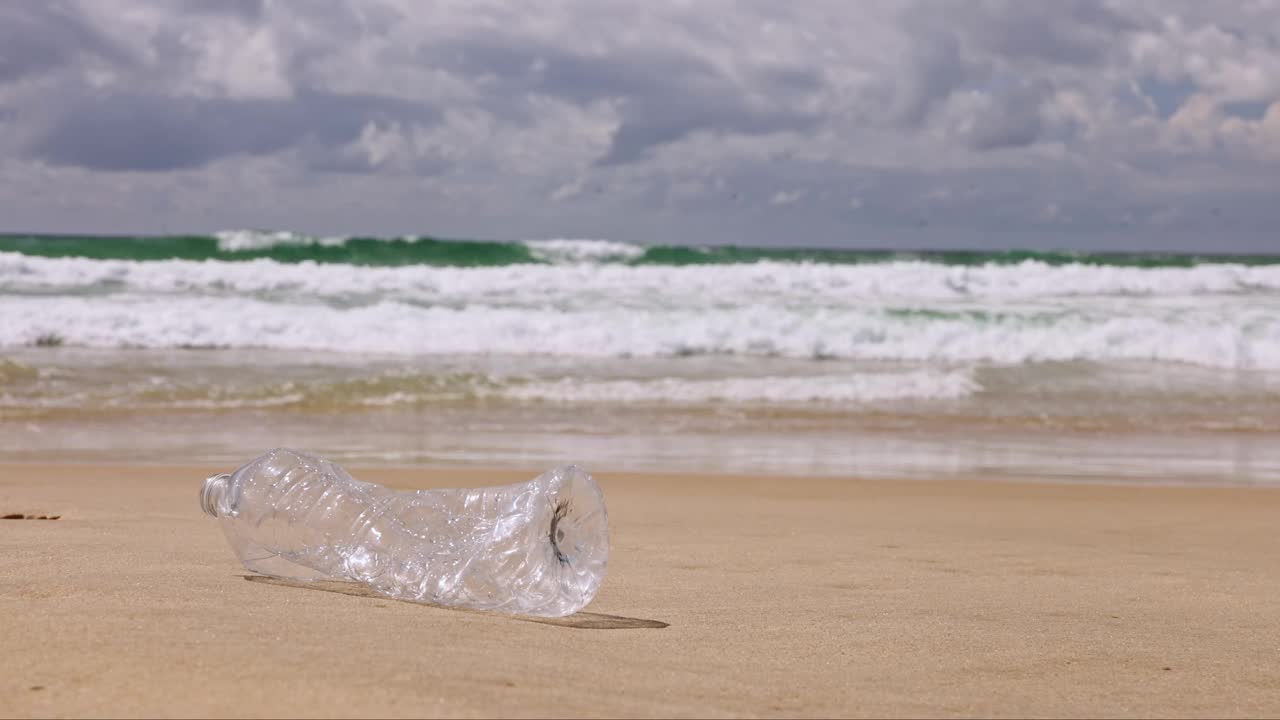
x=1139, y=422
x=780, y=596
x=477, y=473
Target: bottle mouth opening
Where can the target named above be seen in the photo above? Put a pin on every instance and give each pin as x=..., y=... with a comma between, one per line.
x=212, y=492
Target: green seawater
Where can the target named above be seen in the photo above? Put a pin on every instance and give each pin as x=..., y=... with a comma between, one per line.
x=373, y=251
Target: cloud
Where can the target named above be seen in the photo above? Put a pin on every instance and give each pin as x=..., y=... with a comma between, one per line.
x=1064, y=32
x=247, y=10
x=1073, y=122
x=660, y=97
x=1010, y=116
x=40, y=37
x=151, y=133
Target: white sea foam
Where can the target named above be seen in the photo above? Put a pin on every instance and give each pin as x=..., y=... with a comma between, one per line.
x=1222, y=316
x=819, y=392
x=240, y=240
x=571, y=251
x=555, y=251
x=909, y=282
x=788, y=390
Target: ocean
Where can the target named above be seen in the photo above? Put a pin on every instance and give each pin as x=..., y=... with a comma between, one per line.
x=1028, y=365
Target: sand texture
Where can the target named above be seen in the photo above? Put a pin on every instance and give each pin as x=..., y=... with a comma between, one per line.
x=725, y=597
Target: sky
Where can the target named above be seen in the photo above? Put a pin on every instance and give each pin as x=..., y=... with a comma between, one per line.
x=1075, y=124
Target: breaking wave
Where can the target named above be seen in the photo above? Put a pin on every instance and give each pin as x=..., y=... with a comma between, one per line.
x=1222, y=315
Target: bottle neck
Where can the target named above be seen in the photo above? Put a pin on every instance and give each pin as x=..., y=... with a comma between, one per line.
x=212, y=493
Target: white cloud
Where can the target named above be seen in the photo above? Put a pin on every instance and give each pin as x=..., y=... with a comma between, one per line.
x=242, y=66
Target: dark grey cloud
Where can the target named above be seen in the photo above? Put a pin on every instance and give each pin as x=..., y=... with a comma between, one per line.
x=247, y=10
x=154, y=133
x=662, y=98
x=934, y=70
x=1066, y=32
x=38, y=37
x=1013, y=54
x=1014, y=117
x=647, y=125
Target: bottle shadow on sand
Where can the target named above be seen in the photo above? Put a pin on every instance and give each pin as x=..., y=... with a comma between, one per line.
x=580, y=620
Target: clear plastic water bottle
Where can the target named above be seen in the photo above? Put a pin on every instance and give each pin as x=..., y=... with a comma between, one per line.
x=535, y=548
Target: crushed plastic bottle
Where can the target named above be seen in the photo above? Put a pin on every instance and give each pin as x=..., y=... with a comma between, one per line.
x=534, y=548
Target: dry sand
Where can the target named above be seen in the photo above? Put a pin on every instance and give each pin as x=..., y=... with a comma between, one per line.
x=783, y=596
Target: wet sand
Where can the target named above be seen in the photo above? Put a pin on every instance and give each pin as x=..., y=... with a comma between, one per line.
x=727, y=596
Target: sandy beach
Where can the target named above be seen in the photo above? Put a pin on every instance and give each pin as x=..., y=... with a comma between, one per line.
x=927, y=355
x=726, y=596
